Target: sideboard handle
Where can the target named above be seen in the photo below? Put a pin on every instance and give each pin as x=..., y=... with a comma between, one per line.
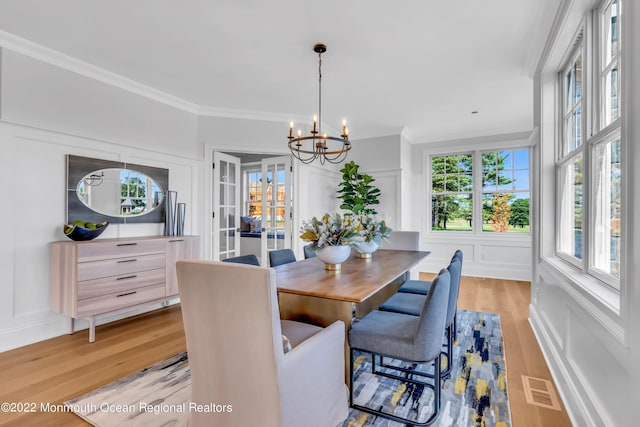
x=124, y=295
x=127, y=244
x=176, y=240
x=127, y=260
x=127, y=277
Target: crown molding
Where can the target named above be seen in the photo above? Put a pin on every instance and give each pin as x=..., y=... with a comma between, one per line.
x=36, y=51
x=232, y=113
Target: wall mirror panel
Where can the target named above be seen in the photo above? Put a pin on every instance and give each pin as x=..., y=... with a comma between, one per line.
x=99, y=190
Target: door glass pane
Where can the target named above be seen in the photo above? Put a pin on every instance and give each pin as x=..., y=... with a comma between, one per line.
x=607, y=207
x=223, y=218
x=224, y=174
x=232, y=217
x=223, y=198
x=223, y=241
x=232, y=195
x=232, y=173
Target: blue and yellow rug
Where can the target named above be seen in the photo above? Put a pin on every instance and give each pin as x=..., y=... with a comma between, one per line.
x=475, y=396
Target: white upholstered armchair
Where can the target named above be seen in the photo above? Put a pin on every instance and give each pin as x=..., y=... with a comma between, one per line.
x=236, y=355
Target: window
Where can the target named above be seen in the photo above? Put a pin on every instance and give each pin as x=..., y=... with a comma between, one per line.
x=451, y=192
x=253, y=193
x=504, y=191
x=589, y=171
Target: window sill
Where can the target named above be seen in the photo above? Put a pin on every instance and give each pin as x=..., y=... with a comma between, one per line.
x=525, y=237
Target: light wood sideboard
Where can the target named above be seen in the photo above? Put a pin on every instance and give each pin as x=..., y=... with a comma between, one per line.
x=111, y=276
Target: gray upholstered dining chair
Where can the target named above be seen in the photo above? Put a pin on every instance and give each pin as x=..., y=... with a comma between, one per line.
x=403, y=241
x=244, y=259
x=422, y=287
x=308, y=252
x=411, y=304
x=281, y=256
x=238, y=357
x=414, y=339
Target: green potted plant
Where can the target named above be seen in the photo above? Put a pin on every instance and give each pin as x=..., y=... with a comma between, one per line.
x=359, y=196
x=356, y=191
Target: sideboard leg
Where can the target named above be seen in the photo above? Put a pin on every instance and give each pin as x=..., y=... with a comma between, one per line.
x=71, y=325
x=92, y=329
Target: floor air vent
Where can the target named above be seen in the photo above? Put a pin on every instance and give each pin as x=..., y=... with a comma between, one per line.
x=540, y=392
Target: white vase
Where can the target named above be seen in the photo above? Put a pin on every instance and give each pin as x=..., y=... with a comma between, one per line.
x=365, y=249
x=333, y=256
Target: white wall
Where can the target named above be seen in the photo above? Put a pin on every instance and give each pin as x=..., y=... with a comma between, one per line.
x=46, y=113
x=589, y=335
x=33, y=177
x=35, y=93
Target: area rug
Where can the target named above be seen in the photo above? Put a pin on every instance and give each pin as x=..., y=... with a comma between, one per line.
x=475, y=396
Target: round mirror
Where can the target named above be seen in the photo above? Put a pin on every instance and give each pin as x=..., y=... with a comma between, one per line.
x=119, y=192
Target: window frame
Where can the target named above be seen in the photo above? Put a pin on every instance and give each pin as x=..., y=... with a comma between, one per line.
x=591, y=45
x=476, y=192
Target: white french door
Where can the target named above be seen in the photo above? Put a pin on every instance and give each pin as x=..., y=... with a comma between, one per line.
x=225, y=234
x=276, y=205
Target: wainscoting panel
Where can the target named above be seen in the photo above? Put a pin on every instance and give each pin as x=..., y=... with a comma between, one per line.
x=34, y=211
x=590, y=365
x=502, y=259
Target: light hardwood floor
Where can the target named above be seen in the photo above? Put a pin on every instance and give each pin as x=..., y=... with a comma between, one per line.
x=65, y=367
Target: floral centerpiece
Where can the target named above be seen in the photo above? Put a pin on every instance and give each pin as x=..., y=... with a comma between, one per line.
x=373, y=232
x=331, y=237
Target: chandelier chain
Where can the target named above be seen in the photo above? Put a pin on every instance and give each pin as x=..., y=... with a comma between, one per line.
x=320, y=93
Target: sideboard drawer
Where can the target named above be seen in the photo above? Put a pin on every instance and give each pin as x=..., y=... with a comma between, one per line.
x=96, y=277
x=108, y=285
x=118, y=300
x=115, y=249
x=119, y=266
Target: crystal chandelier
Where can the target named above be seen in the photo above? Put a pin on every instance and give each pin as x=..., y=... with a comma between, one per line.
x=319, y=145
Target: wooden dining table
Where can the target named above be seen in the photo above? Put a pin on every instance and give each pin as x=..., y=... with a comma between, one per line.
x=308, y=292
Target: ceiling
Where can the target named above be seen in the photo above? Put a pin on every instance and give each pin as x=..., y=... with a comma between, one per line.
x=417, y=66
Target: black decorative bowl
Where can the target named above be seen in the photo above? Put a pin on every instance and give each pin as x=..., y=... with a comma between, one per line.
x=79, y=233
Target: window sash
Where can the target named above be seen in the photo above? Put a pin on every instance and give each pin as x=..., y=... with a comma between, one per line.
x=605, y=224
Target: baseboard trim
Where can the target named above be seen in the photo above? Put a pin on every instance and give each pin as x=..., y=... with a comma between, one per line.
x=53, y=325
